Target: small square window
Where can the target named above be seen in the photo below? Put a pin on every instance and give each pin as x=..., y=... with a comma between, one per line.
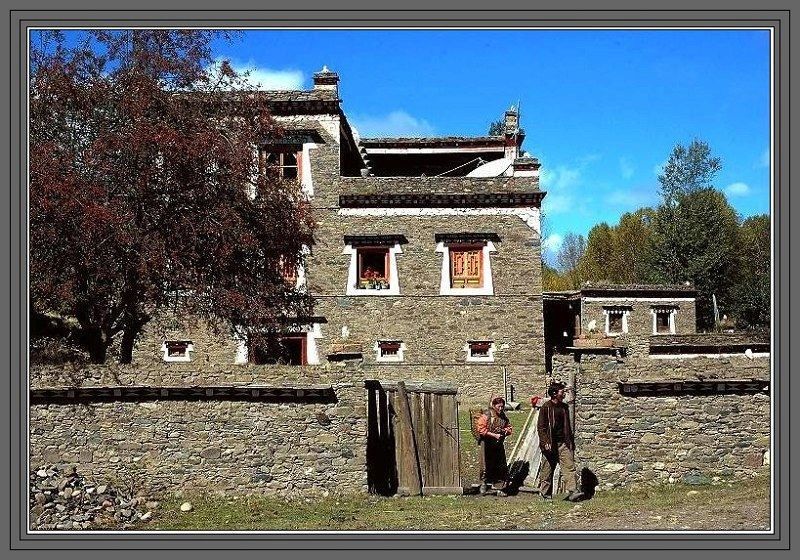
x=390, y=351
x=466, y=266
x=177, y=350
x=664, y=320
x=373, y=268
x=480, y=351
x=616, y=319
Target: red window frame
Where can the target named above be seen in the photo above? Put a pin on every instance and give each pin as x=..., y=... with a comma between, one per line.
x=479, y=348
x=281, y=162
x=363, y=251
x=177, y=348
x=389, y=346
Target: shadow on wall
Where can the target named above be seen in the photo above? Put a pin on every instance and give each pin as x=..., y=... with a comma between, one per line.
x=589, y=483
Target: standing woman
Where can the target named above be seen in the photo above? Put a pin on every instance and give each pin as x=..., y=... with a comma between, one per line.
x=493, y=427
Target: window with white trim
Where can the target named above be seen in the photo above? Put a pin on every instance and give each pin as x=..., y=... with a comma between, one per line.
x=466, y=265
x=287, y=349
x=616, y=319
x=389, y=350
x=373, y=268
x=177, y=350
x=373, y=264
x=664, y=319
x=480, y=350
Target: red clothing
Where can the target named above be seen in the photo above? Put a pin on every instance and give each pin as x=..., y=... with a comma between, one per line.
x=492, y=422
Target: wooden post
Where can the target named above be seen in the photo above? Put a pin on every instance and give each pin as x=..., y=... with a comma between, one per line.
x=410, y=459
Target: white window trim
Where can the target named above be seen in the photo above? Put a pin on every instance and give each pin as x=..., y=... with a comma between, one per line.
x=306, y=182
x=672, y=317
x=389, y=359
x=313, y=332
x=444, y=287
x=168, y=358
x=624, y=314
x=352, y=274
x=484, y=359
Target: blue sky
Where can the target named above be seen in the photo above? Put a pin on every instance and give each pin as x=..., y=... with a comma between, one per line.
x=601, y=109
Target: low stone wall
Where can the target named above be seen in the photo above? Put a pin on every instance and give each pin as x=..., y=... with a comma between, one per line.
x=655, y=439
x=225, y=446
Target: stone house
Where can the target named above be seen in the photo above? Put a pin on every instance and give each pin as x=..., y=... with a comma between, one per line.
x=426, y=264
x=426, y=267
x=622, y=314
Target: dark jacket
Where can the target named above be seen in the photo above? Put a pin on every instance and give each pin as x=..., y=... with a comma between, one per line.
x=546, y=421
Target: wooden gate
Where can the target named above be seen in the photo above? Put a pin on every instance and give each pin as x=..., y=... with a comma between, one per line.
x=413, y=443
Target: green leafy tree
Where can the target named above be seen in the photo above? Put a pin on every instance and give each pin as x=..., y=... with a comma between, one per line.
x=553, y=281
x=751, y=294
x=599, y=254
x=697, y=240
x=622, y=253
x=688, y=169
x=633, y=247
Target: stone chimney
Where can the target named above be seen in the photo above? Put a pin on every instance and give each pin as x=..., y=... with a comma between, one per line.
x=512, y=133
x=526, y=167
x=326, y=80
x=511, y=122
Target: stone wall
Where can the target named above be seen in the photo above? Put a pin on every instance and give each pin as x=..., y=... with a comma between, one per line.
x=437, y=185
x=647, y=439
x=242, y=447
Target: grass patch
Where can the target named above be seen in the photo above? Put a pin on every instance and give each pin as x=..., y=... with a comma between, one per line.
x=717, y=507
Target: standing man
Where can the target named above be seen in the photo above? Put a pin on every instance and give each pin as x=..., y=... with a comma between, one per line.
x=493, y=428
x=557, y=443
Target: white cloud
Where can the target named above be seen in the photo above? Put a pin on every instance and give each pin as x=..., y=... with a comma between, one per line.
x=737, y=189
x=397, y=123
x=625, y=168
x=268, y=78
x=552, y=242
x=558, y=203
x=560, y=178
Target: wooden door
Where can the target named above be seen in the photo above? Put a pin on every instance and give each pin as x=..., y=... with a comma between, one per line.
x=419, y=424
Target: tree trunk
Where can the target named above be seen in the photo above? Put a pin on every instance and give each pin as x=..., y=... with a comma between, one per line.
x=96, y=344
x=126, y=344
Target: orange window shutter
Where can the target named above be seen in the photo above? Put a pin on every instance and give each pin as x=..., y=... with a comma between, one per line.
x=458, y=259
x=473, y=264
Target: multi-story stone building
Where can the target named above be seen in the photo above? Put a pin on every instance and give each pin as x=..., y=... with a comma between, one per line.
x=427, y=259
